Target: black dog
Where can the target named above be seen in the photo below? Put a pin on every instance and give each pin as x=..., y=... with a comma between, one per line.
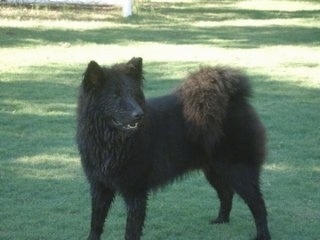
x=131, y=146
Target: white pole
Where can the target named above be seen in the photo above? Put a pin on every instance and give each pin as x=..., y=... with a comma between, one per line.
x=127, y=8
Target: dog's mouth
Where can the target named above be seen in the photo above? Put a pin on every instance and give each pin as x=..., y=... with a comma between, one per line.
x=126, y=126
x=131, y=126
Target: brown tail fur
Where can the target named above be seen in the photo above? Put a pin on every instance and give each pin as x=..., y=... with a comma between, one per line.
x=205, y=96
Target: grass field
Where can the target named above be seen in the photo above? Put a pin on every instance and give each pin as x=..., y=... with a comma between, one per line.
x=43, y=53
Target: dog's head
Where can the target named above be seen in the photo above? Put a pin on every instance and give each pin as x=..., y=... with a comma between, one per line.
x=115, y=94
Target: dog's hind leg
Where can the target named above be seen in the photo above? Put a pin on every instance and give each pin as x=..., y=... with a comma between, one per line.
x=245, y=182
x=225, y=194
x=101, y=199
x=136, y=213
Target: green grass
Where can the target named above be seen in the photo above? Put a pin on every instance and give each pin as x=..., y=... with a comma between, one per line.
x=43, y=53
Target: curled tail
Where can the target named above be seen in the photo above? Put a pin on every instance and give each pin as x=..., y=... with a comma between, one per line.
x=205, y=96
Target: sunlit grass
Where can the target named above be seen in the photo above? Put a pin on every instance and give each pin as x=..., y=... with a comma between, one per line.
x=258, y=22
x=294, y=63
x=293, y=60
x=282, y=5
x=47, y=12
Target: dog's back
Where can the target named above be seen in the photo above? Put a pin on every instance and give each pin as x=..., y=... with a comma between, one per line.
x=167, y=145
x=187, y=129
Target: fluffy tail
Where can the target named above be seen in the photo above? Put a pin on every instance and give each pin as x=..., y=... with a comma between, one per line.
x=205, y=96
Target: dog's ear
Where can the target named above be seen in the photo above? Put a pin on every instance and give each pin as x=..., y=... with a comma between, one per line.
x=93, y=75
x=135, y=67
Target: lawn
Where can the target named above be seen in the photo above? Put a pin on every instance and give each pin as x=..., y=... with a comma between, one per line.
x=43, y=53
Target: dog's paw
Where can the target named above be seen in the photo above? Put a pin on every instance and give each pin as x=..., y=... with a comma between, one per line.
x=263, y=237
x=219, y=220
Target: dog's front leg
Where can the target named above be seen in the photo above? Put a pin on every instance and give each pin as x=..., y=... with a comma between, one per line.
x=136, y=212
x=101, y=199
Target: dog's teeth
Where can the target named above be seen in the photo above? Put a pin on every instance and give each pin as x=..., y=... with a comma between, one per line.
x=131, y=126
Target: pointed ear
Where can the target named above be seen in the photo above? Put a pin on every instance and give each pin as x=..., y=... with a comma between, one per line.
x=93, y=75
x=135, y=67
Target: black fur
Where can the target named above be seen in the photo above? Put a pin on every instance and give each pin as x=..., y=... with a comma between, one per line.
x=131, y=146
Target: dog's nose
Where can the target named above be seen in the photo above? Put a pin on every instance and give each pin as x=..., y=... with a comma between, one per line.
x=137, y=115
